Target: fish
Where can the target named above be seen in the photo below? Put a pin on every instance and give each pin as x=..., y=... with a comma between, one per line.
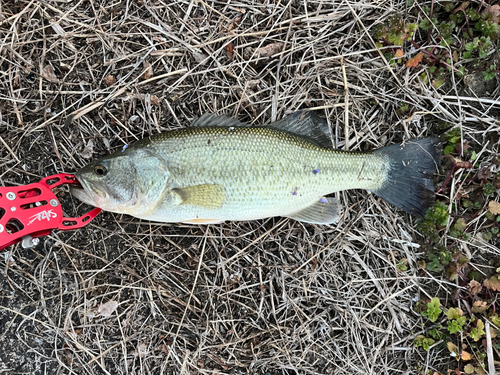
x=220, y=169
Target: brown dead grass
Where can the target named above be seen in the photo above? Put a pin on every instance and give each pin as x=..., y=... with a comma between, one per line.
x=83, y=78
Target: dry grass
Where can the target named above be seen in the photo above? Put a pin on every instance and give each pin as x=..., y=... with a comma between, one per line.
x=83, y=78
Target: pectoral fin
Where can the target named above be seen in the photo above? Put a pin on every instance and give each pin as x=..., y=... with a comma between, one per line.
x=325, y=211
x=208, y=196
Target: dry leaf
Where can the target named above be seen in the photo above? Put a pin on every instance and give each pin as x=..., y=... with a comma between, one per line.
x=480, y=370
x=229, y=50
x=494, y=207
x=469, y=369
x=148, y=70
x=9, y=259
x=164, y=349
x=199, y=57
x=269, y=50
x=493, y=13
x=474, y=287
x=485, y=173
x=49, y=75
x=109, y=80
x=462, y=6
x=142, y=350
x=492, y=283
x=108, y=308
x=235, y=23
x=411, y=63
x=399, y=53
x=479, y=307
x=88, y=151
x=155, y=100
x=493, y=332
x=466, y=356
x=453, y=349
x=464, y=164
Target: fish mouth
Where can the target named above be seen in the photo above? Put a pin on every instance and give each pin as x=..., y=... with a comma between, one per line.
x=82, y=193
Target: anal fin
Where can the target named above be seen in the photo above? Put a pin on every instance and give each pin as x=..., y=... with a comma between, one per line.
x=203, y=221
x=324, y=211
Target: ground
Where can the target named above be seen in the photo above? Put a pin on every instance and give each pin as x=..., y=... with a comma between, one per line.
x=123, y=296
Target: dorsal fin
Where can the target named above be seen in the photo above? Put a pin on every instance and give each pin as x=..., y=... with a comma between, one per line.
x=307, y=125
x=211, y=119
x=304, y=124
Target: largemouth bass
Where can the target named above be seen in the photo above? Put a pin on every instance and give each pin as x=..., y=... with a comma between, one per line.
x=220, y=169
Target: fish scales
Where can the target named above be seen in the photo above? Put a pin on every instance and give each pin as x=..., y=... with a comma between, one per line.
x=264, y=172
x=220, y=169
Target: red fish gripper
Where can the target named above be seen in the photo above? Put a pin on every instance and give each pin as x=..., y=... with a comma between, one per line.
x=31, y=211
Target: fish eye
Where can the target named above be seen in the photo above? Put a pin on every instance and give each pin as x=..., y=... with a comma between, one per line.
x=100, y=170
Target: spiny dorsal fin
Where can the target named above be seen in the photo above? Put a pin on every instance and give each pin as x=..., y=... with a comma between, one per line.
x=211, y=119
x=324, y=211
x=307, y=125
x=207, y=195
x=304, y=124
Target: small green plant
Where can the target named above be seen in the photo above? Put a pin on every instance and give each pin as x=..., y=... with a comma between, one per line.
x=489, y=189
x=456, y=320
x=490, y=72
x=458, y=229
x=453, y=137
x=437, y=334
x=394, y=32
x=436, y=218
x=428, y=22
x=424, y=342
x=487, y=28
x=438, y=259
x=477, y=332
x=479, y=47
x=402, y=265
x=433, y=310
x=468, y=34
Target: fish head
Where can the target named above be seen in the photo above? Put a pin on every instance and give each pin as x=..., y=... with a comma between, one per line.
x=109, y=183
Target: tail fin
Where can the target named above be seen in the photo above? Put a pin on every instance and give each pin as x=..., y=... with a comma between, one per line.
x=408, y=185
